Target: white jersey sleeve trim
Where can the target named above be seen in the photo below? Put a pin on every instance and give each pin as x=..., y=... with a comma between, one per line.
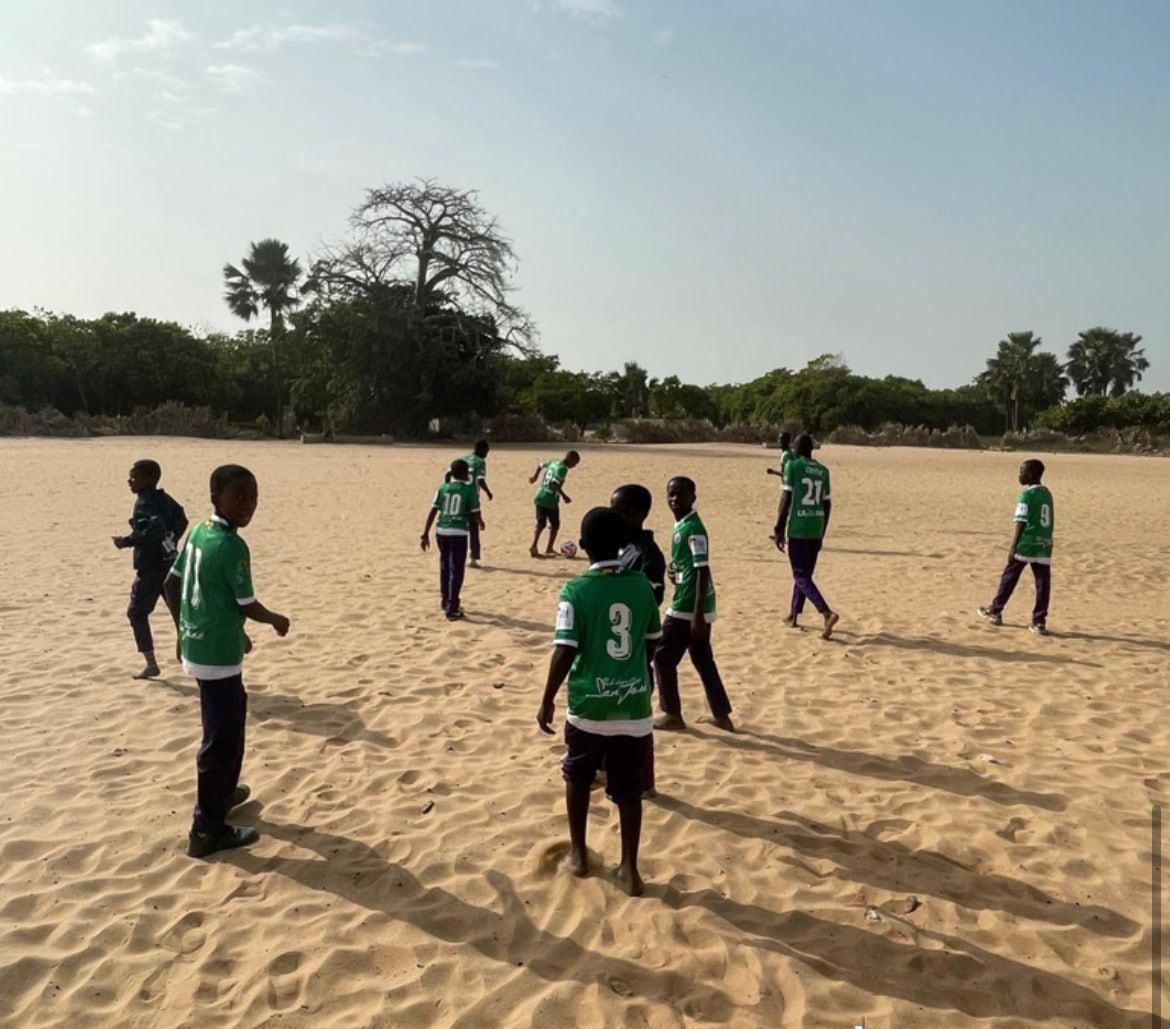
x=245, y=601
x=199, y=671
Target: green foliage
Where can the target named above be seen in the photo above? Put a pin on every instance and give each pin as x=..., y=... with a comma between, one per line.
x=1022, y=381
x=1105, y=362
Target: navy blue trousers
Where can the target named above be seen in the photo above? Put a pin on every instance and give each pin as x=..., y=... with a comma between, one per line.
x=223, y=704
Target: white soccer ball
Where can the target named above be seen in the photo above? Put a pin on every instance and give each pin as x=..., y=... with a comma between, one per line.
x=569, y=549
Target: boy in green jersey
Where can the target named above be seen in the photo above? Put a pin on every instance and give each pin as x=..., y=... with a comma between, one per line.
x=606, y=630
x=552, y=476
x=477, y=469
x=210, y=591
x=805, y=507
x=456, y=505
x=687, y=626
x=786, y=454
x=1031, y=545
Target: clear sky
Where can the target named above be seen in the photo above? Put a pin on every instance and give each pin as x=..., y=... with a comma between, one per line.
x=713, y=188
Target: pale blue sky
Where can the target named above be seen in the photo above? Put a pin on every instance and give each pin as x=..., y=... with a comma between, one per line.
x=711, y=188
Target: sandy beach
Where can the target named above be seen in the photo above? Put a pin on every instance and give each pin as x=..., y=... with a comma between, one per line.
x=926, y=821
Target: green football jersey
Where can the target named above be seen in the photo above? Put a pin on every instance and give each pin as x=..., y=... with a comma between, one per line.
x=478, y=467
x=690, y=552
x=216, y=571
x=456, y=502
x=1035, y=510
x=607, y=615
x=808, y=482
x=554, y=475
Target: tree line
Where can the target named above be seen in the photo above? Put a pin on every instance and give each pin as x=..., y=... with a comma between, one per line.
x=411, y=318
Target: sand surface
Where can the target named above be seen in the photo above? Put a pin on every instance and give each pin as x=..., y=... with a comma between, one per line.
x=412, y=813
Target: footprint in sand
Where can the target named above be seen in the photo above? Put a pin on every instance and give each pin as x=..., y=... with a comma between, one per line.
x=285, y=987
x=187, y=935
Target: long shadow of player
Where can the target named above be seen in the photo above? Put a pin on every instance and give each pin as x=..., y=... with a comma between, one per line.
x=949, y=974
x=357, y=873
x=907, y=768
x=1125, y=641
x=332, y=721
x=952, y=649
x=862, y=858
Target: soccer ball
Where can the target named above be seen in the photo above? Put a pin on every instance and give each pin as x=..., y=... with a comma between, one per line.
x=569, y=549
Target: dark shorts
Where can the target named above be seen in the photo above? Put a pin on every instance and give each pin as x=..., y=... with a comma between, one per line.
x=550, y=516
x=622, y=756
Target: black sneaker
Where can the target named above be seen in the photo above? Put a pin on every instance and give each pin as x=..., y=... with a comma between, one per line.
x=1038, y=630
x=202, y=844
x=992, y=617
x=456, y=615
x=240, y=795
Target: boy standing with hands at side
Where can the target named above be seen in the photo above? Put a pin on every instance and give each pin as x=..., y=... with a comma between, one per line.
x=607, y=628
x=209, y=590
x=687, y=627
x=477, y=471
x=456, y=505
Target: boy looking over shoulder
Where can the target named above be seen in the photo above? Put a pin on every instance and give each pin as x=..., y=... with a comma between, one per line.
x=209, y=590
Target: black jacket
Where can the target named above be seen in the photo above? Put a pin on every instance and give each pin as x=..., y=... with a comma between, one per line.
x=642, y=555
x=156, y=527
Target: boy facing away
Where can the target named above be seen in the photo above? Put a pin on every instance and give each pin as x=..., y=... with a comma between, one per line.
x=456, y=505
x=687, y=626
x=641, y=554
x=805, y=507
x=156, y=527
x=1031, y=545
x=606, y=630
x=548, y=498
x=477, y=470
x=209, y=590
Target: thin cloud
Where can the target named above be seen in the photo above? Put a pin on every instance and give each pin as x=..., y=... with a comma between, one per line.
x=259, y=38
x=476, y=62
x=47, y=85
x=391, y=48
x=163, y=78
x=233, y=78
x=161, y=35
x=664, y=36
x=596, y=11
x=83, y=111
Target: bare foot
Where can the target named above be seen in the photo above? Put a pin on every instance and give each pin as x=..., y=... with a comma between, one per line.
x=831, y=619
x=533, y=551
x=629, y=880
x=669, y=723
x=719, y=721
x=550, y=553
x=149, y=672
x=578, y=863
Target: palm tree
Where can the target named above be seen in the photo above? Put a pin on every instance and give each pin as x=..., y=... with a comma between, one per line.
x=1105, y=362
x=269, y=280
x=1021, y=380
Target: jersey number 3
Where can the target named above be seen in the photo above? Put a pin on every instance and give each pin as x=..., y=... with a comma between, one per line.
x=620, y=647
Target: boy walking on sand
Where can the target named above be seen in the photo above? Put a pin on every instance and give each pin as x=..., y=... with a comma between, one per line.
x=607, y=627
x=786, y=455
x=687, y=626
x=209, y=590
x=456, y=505
x=156, y=527
x=1031, y=545
x=477, y=469
x=805, y=507
x=548, y=497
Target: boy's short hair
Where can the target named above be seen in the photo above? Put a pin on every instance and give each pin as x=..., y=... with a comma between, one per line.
x=148, y=468
x=572, y=454
x=603, y=533
x=784, y=439
x=685, y=481
x=636, y=497
x=227, y=475
x=1035, y=466
x=481, y=448
x=803, y=445
x=460, y=469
